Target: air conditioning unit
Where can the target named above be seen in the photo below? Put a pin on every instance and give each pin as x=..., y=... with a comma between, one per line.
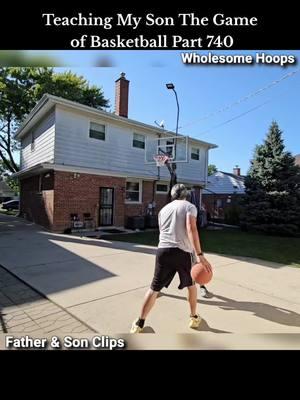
x=151, y=221
x=137, y=222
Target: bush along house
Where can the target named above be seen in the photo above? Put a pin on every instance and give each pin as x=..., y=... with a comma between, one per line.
x=90, y=168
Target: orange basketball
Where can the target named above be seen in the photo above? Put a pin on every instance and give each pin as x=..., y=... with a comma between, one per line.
x=200, y=274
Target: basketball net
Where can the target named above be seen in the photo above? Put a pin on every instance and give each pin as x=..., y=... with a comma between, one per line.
x=160, y=159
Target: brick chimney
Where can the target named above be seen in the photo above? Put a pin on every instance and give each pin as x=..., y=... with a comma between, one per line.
x=237, y=170
x=121, y=96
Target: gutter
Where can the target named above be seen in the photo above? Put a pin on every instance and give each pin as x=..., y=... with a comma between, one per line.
x=32, y=113
x=81, y=107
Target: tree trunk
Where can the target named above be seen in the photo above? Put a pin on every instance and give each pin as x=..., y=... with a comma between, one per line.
x=6, y=146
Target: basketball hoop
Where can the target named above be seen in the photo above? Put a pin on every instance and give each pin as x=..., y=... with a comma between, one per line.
x=160, y=159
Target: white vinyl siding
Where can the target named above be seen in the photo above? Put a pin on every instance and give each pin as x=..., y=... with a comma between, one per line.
x=116, y=154
x=192, y=171
x=38, y=145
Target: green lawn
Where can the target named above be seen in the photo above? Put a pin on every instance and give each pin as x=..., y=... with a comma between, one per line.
x=233, y=242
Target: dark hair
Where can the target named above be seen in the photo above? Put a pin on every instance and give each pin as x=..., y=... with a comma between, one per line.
x=179, y=192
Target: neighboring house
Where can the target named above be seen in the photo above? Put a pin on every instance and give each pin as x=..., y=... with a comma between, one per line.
x=78, y=162
x=222, y=192
x=297, y=159
x=6, y=193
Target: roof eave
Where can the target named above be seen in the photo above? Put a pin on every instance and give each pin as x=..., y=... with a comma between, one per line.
x=47, y=98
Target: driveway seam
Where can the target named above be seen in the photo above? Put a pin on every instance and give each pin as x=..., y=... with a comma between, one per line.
x=111, y=295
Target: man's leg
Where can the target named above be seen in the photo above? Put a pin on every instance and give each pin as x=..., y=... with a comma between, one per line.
x=195, y=318
x=184, y=266
x=163, y=274
x=149, y=301
x=192, y=299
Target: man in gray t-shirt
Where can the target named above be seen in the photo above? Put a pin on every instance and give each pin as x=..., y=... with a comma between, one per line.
x=172, y=225
x=178, y=238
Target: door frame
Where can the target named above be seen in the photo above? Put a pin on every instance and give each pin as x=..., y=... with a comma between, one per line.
x=112, y=206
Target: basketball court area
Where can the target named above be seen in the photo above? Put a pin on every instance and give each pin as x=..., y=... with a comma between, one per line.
x=103, y=284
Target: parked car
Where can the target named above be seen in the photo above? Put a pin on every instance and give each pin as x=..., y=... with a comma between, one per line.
x=5, y=199
x=11, y=205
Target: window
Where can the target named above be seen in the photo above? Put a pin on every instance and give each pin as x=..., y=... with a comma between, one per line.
x=170, y=148
x=138, y=141
x=97, y=131
x=195, y=154
x=162, y=188
x=219, y=203
x=133, y=192
x=32, y=141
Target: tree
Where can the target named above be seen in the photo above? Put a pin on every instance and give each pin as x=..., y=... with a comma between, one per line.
x=5, y=175
x=211, y=169
x=272, y=200
x=21, y=88
x=2, y=170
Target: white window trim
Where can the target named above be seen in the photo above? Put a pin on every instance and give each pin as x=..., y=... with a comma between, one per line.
x=140, y=181
x=195, y=148
x=162, y=183
x=138, y=148
x=99, y=123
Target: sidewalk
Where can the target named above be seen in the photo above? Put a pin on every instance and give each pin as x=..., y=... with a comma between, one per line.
x=102, y=284
x=23, y=310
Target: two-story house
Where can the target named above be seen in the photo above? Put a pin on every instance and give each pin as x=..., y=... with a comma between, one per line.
x=80, y=162
x=223, y=192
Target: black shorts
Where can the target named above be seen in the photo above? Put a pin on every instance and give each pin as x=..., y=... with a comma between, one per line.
x=169, y=261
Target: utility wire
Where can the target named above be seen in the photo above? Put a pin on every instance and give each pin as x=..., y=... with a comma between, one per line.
x=234, y=118
x=244, y=98
x=237, y=102
x=244, y=113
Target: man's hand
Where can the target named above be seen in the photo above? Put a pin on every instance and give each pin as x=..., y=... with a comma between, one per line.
x=203, y=260
x=191, y=227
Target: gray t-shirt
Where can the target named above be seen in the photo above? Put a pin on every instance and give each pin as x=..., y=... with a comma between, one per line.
x=172, y=225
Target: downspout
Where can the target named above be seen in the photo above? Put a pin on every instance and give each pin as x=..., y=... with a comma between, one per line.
x=206, y=166
x=200, y=197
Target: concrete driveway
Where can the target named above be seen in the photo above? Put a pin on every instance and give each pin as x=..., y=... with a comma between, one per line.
x=103, y=284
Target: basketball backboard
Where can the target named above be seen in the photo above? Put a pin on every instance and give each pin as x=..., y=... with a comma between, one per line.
x=176, y=148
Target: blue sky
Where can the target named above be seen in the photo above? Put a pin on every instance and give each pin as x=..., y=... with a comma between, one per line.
x=202, y=90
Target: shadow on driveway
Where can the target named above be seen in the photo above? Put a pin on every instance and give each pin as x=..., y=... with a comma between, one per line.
x=265, y=311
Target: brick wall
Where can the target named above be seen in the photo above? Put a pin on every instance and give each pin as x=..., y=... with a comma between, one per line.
x=80, y=193
x=66, y=193
x=36, y=199
x=141, y=209
x=121, y=96
x=161, y=200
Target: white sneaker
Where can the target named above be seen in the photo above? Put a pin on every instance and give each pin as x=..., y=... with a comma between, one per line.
x=195, y=321
x=203, y=292
x=135, y=328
